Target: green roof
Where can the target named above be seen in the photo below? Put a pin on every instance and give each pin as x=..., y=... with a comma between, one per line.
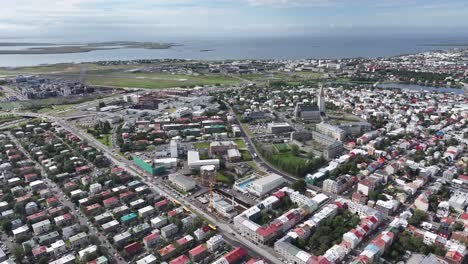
x=128, y=217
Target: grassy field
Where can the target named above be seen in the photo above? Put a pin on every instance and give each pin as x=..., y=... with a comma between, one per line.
x=290, y=158
x=281, y=147
x=223, y=178
x=8, y=118
x=247, y=130
x=240, y=143
x=105, y=139
x=158, y=80
x=246, y=155
x=202, y=145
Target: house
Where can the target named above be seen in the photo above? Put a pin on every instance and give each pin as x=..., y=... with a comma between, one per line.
x=167, y=252
x=41, y=227
x=169, y=231
x=198, y=253
x=180, y=260
x=133, y=248
x=151, y=240
x=79, y=240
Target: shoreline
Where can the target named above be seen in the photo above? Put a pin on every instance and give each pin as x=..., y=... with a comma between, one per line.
x=70, y=48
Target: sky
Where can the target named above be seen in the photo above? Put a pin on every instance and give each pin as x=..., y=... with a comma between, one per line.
x=176, y=19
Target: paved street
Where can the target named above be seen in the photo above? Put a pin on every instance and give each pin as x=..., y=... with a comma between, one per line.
x=82, y=220
x=261, y=251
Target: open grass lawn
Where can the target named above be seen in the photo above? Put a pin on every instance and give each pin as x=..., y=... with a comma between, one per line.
x=8, y=118
x=105, y=139
x=281, y=147
x=202, y=145
x=223, y=178
x=247, y=130
x=240, y=143
x=158, y=80
x=288, y=157
x=246, y=155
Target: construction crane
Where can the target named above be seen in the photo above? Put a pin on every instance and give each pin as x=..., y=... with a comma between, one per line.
x=212, y=183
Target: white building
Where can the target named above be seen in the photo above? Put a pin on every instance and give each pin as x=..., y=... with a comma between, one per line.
x=263, y=185
x=194, y=161
x=214, y=243
x=41, y=227
x=166, y=162
x=174, y=147
x=321, y=100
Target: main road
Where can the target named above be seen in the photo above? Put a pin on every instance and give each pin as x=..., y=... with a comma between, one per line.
x=224, y=229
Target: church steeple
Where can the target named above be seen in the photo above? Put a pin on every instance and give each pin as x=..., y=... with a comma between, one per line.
x=321, y=99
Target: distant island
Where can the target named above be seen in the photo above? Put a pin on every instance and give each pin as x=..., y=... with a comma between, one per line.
x=446, y=45
x=54, y=48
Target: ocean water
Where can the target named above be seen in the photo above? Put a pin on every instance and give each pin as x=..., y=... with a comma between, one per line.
x=248, y=48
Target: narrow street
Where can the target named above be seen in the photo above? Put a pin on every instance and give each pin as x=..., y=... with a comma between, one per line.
x=82, y=220
x=224, y=229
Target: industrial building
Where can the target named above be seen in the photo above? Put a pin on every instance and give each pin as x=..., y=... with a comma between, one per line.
x=181, y=182
x=266, y=184
x=278, y=128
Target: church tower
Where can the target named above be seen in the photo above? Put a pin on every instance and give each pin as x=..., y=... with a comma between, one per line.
x=321, y=100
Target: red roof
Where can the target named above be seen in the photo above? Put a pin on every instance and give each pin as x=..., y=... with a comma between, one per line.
x=463, y=177
x=133, y=247
x=105, y=193
x=454, y=256
x=318, y=260
x=82, y=168
x=151, y=237
x=180, y=260
x=355, y=232
x=166, y=250
x=117, y=170
x=235, y=254
x=197, y=250
x=161, y=203
x=464, y=216
x=290, y=215
x=365, y=227
x=373, y=219
x=262, y=231
x=111, y=200
x=39, y=250
x=183, y=241
x=52, y=199
x=279, y=194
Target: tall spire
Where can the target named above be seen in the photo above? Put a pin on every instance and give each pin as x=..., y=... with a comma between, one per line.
x=321, y=99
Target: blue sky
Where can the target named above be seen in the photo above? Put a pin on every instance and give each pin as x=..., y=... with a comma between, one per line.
x=167, y=19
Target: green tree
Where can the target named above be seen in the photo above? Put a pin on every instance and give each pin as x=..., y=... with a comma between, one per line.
x=417, y=218
x=300, y=186
x=18, y=252
x=294, y=149
x=458, y=226
x=43, y=260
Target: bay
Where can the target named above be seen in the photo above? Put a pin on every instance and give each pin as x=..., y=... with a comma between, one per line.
x=248, y=48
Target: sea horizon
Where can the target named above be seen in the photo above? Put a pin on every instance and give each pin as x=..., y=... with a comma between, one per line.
x=239, y=48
